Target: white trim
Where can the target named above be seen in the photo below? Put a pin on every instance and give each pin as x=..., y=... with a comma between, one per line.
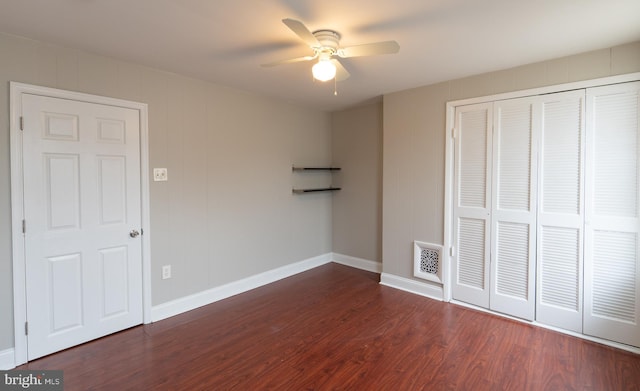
x=358, y=263
x=17, y=237
x=606, y=342
x=146, y=213
x=419, y=288
x=7, y=359
x=191, y=302
x=17, y=197
x=447, y=244
x=548, y=89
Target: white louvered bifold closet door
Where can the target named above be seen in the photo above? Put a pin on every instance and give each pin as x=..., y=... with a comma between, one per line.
x=612, y=273
x=513, y=235
x=472, y=203
x=560, y=211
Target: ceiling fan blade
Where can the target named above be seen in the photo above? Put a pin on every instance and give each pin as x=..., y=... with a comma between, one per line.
x=341, y=71
x=302, y=31
x=289, y=61
x=369, y=49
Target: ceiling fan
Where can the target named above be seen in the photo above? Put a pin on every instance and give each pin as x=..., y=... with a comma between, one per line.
x=326, y=49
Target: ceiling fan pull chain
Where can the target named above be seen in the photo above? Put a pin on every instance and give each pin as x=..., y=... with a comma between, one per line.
x=335, y=87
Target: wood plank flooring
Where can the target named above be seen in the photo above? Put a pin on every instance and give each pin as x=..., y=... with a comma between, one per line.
x=336, y=328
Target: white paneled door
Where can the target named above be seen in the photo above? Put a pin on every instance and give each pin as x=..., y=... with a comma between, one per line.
x=612, y=223
x=561, y=211
x=472, y=208
x=495, y=206
x=513, y=228
x=82, y=210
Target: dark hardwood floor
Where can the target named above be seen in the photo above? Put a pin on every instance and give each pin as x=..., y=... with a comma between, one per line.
x=336, y=328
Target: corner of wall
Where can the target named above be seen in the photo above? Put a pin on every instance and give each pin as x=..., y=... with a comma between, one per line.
x=426, y=289
x=188, y=303
x=358, y=263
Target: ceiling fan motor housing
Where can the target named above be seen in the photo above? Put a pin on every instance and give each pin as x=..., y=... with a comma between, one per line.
x=329, y=40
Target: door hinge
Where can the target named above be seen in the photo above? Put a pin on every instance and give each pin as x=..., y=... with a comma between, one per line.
x=451, y=251
x=24, y=227
x=453, y=133
x=21, y=123
x=26, y=328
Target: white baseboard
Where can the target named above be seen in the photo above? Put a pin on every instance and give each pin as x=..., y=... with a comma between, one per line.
x=358, y=263
x=412, y=286
x=188, y=303
x=7, y=359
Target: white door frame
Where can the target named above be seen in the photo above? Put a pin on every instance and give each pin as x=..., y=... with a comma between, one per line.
x=449, y=248
x=17, y=201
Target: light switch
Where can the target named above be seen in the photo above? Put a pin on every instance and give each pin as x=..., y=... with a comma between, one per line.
x=160, y=174
x=166, y=272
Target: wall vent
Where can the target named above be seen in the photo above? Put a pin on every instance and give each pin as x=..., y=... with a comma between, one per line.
x=427, y=261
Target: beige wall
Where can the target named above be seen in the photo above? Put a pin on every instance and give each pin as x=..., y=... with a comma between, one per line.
x=227, y=211
x=357, y=208
x=414, y=142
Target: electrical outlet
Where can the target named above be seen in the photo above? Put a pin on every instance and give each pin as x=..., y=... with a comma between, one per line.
x=166, y=272
x=160, y=175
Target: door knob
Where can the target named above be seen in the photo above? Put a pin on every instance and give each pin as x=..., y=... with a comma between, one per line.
x=134, y=233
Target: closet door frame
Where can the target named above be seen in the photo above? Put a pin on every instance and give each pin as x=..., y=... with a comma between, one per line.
x=448, y=242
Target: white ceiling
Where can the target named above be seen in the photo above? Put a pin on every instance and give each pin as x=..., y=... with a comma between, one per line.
x=225, y=41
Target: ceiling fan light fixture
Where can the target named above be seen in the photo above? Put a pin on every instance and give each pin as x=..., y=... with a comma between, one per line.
x=324, y=70
x=326, y=49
